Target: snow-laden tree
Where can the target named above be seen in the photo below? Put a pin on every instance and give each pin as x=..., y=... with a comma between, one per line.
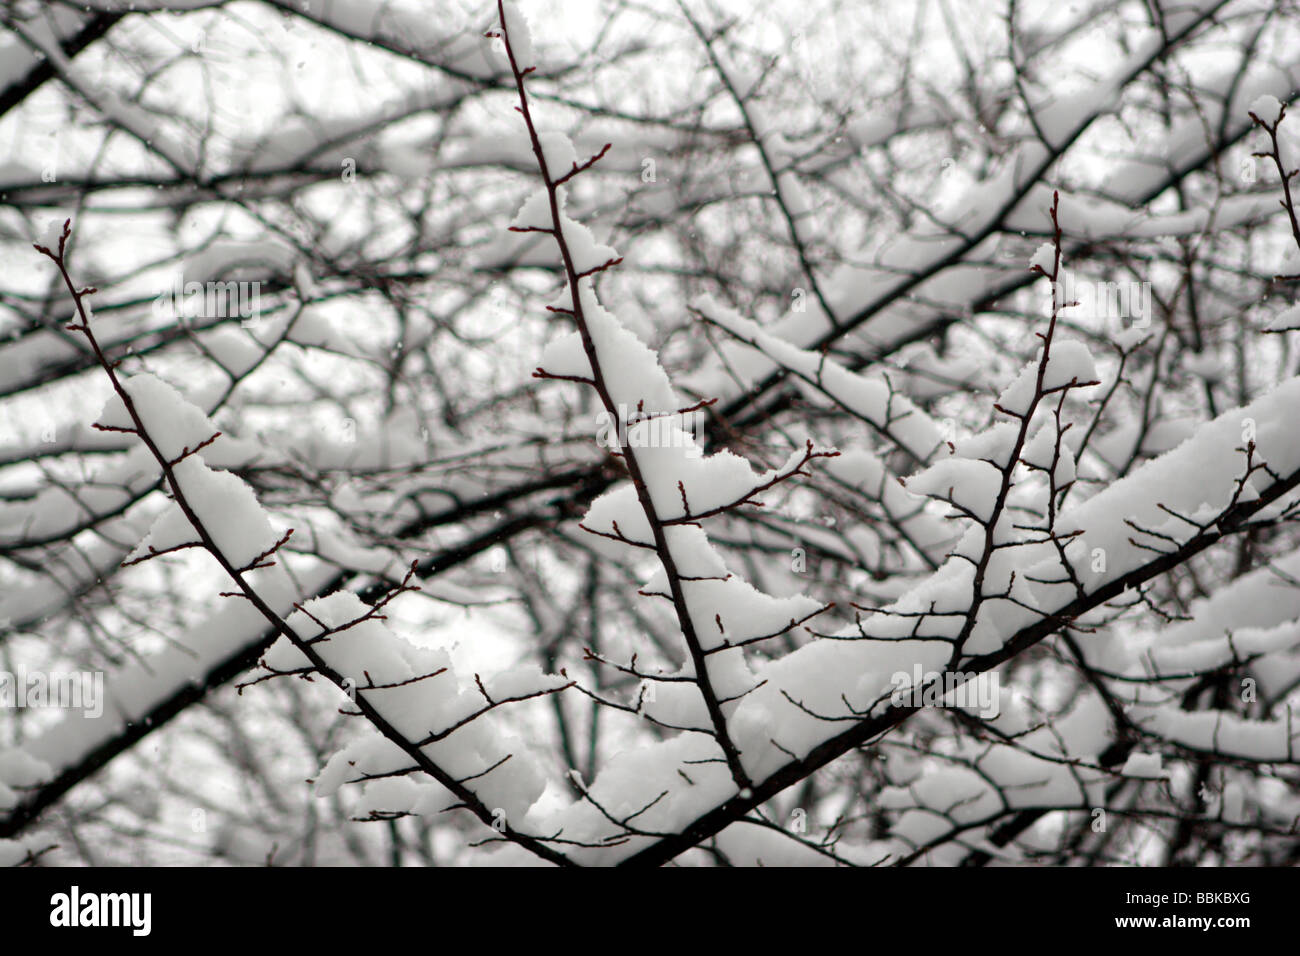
x=650, y=433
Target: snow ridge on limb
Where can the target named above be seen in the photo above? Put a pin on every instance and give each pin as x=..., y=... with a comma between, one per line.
x=873, y=301
x=1144, y=696
x=1036, y=581
x=1171, y=481
x=868, y=397
x=416, y=731
x=672, y=486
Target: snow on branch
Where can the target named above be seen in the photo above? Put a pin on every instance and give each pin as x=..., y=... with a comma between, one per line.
x=669, y=486
x=383, y=676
